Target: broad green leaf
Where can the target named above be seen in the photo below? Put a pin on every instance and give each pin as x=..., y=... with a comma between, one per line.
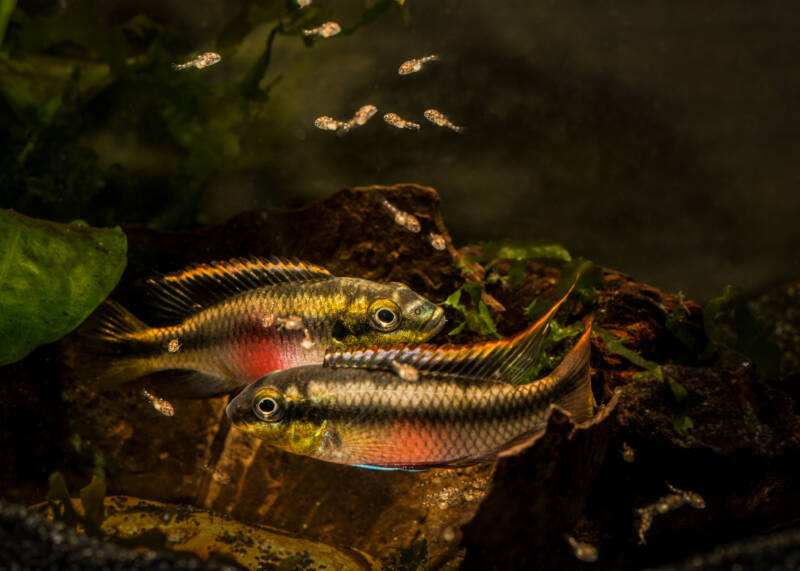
x=52, y=276
x=538, y=307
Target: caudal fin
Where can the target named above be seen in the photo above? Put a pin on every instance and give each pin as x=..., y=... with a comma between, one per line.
x=573, y=376
x=107, y=351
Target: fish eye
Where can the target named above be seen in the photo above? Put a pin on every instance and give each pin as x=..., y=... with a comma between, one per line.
x=384, y=315
x=269, y=407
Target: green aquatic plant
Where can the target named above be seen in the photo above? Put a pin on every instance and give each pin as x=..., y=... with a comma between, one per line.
x=86, y=105
x=520, y=253
x=681, y=422
x=674, y=324
x=92, y=500
x=586, y=277
x=731, y=325
x=475, y=311
x=413, y=557
x=52, y=276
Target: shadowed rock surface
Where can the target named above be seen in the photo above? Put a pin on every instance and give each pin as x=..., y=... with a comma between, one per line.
x=740, y=456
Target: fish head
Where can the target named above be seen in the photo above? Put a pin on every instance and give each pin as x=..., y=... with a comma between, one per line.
x=385, y=314
x=273, y=410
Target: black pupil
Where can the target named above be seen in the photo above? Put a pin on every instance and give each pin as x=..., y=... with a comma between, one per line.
x=386, y=316
x=266, y=406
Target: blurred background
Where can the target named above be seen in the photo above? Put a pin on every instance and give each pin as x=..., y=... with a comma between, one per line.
x=658, y=137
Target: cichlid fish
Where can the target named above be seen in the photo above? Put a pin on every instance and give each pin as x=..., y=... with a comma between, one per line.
x=240, y=319
x=455, y=411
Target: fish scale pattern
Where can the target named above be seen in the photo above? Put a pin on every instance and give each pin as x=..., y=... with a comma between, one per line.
x=391, y=422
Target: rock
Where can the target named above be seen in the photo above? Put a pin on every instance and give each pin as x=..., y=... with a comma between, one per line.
x=212, y=537
x=28, y=541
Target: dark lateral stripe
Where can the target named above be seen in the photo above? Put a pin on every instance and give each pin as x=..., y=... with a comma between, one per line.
x=501, y=409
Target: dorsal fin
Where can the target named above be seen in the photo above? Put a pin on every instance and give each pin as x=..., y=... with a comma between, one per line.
x=199, y=286
x=507, y=360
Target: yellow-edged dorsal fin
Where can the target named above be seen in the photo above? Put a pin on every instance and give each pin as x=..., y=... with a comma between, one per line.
x=199, y=286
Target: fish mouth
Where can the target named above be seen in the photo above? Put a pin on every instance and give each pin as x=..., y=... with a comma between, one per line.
x=435, y=323
x=238, y=409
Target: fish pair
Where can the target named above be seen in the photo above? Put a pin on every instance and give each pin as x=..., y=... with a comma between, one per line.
x=403, y=407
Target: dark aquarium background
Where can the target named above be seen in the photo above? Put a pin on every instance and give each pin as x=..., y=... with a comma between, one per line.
x=660, y=138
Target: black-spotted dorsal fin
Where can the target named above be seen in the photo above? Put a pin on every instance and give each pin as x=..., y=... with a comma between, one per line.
x=507, y=360
x=199, y=286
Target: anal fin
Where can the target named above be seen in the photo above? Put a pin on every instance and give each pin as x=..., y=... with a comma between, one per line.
x=180, y=383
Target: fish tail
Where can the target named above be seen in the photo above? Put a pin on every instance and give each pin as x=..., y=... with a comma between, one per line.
x=574, y=376
x=107, y=351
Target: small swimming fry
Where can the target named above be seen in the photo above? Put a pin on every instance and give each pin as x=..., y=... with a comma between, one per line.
x=437, y=241
x=404, y=219
x=414, y=65
x=163, y=406
x=328, y=123
x=203, y=60
x=326, y=30
x=395, y=120
x=665, y=505
x=583, y=551
x=438, y=118
x=363, y=115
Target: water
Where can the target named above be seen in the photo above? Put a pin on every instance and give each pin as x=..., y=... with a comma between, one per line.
x=657, y=138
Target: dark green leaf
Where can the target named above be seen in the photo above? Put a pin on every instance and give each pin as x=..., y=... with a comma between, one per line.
x=476, y=316
x=458, y=329
x=413, y=557
x=454, y=299
x=93, y=497
x=682, y=425
x=589, y=279
x=517, y=250
x=52, y=276
x=516, y=273
x=614, y=344
x=6, y=9
x=58, y=491
x=486, y=323
x=729, y=323
x=538, y=308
